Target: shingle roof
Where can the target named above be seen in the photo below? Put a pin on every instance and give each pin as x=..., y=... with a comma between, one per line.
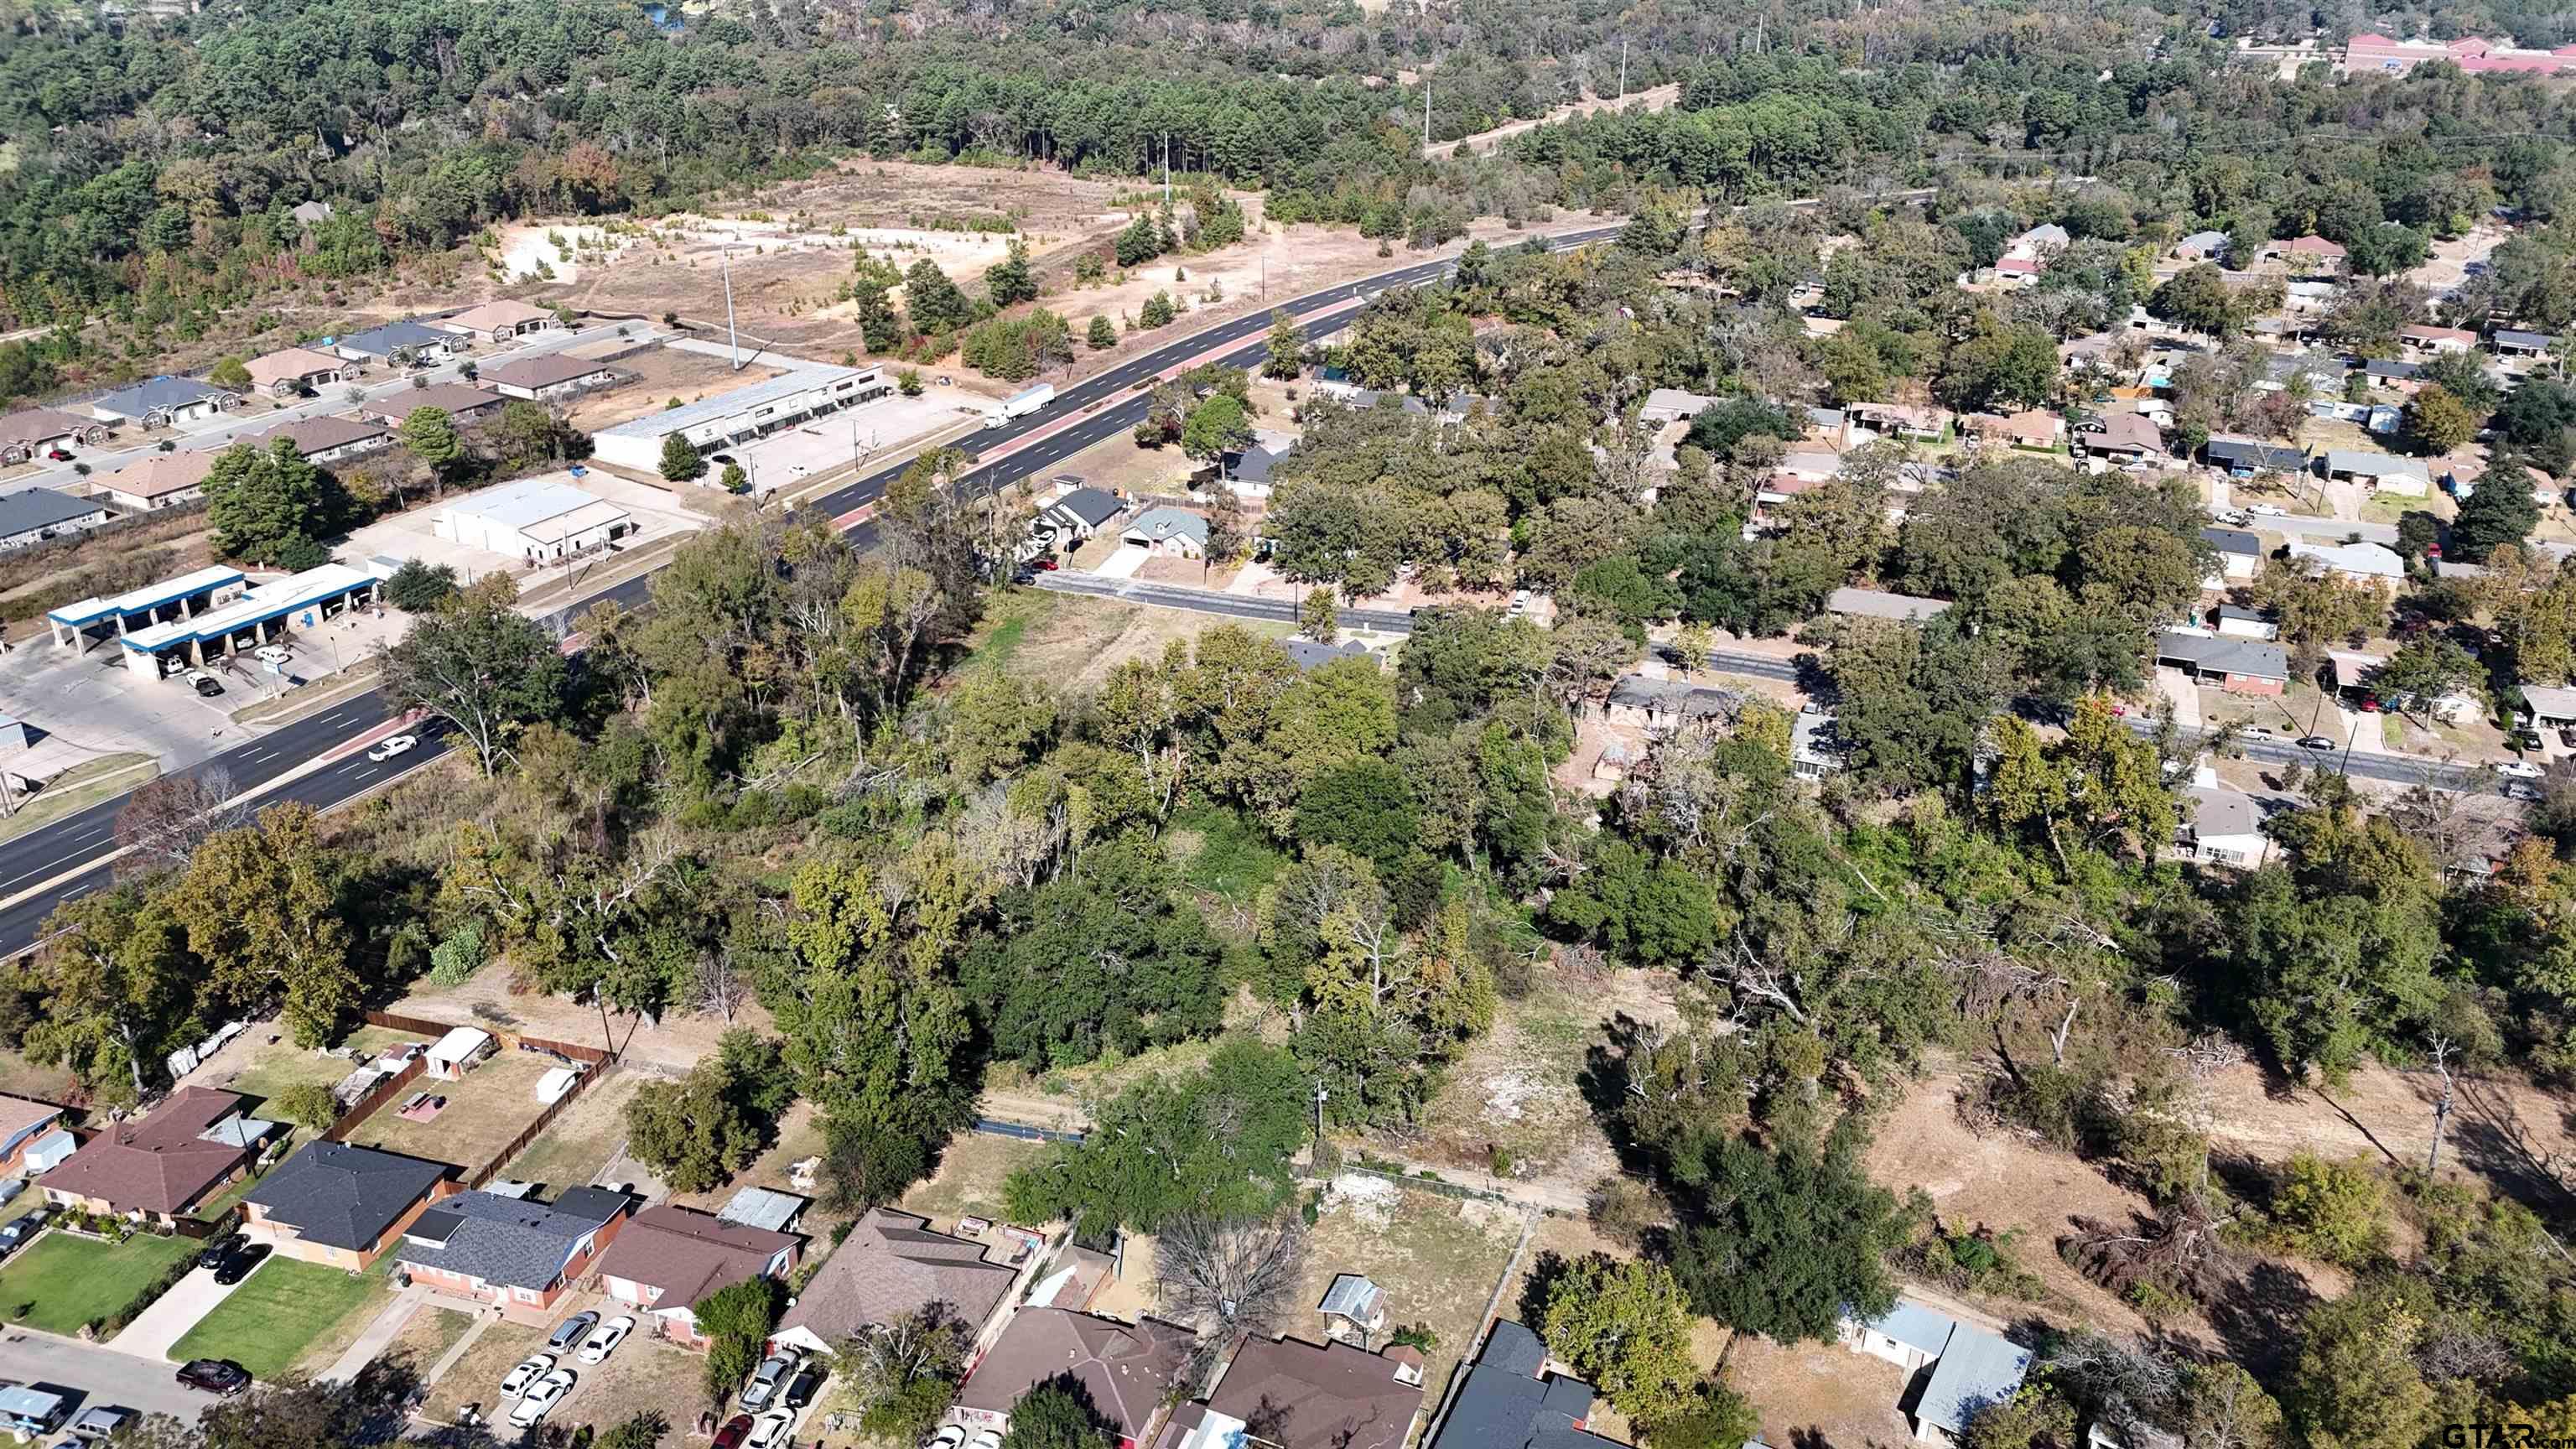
x=1337, y=1396
x=2514, y=337
x=489, y=315
x=2217, y=812
x=1091, y=505
x=2251, y=453
x=2128, y=430
x=2233, y=540
x=455, y=397
x=1128, y=1368
x=508, y=1241
x=689, y=1254
x=1505, y=1405
x=342, y=1196
x=1873, y=603
x=163, y=473
x=160, y=1162
x=35, y=508
x=890, y=1268
x=2370, y=463
x=289, y=364
x=1307, y=654
x=1636, y=691
x=28, y=425
x=383, y=341
x=315, y=435
x=159, y=392
x=2212, y=653
x=2374, y=560
x=544, y=370
x=1163, y=524
x=21, y=1115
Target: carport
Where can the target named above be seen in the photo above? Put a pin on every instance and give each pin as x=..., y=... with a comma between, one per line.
x=181, y=598
x=304, y=599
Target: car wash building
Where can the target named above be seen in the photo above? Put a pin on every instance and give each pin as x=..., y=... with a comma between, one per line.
x=298, y=601
x=172, y=600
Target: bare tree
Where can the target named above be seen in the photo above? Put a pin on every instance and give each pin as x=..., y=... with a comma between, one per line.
x=720, y=986
x=1225, y=1277
x=165, y=821
x=2441, y=1051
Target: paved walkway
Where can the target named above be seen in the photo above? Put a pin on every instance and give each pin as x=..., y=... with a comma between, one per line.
x=174, y=1313
x=378, y=1335
x=448, y=1359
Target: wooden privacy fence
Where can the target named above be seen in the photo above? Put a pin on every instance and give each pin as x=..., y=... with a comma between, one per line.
x=599, y=1063
x=509, y=1040
x=365, y=1107
x=528, y=1134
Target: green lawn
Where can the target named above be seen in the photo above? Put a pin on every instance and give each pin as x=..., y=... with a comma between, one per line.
x=278, y=1312
x=63, y=1282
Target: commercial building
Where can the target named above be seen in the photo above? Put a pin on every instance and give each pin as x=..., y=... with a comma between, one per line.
x=181, y=598
x=162, y=480
x=533, y=519
x=296, y=601
x=496, y=321
x=160, y=401
x=291, y=370
x=808, y=390
x=555, y=374
x=33, y=432
x=38, y=514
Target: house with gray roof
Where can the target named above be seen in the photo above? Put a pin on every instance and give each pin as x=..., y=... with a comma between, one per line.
x=511, y=1253
x=1083, y=512
x=2240, y=555
x=2202, y=246
x=1310, y=656
x=157, y=402
x=1509, y=1400
x=1656, y=705
x=2385, y=472
x=2245, y=457
x=36, y=514
x=1168, y=531
x=1971, y=1369
x=396, y=342
x=2239, y=666
x=2222, y=827
x=342, y=1206
x=2512, y=342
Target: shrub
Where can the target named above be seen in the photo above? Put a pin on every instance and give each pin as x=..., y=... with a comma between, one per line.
x=453, y=961
x=2334, y=1211
x=307, y=1104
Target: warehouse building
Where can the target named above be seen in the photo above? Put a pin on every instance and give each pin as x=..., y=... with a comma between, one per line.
x=750, y=412
x=533, y=519
x=298, y=601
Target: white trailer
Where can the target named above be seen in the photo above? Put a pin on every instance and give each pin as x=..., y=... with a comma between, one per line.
x=1019, y=404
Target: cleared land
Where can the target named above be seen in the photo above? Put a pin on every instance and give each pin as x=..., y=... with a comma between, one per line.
x=256, y=1066
x=283, y=1314
x=60, y=1282
x=579, y=1143
x=476, y=1377
x=969, y=1181
x=1438, y=1259
x=492, y=1105
x=1074, y=641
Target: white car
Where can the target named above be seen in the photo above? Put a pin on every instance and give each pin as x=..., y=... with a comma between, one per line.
x=2520, y=770
x=269, y=654
x=542, y=1396
x=398, y=745
x=606, y=1338
x=2267, y=510
x=769, y=1430
x=950, y=1436
x=532, y=1368
x=989, y=1439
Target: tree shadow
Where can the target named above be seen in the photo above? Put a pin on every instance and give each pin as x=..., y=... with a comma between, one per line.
x=2257, y=1318
x=2490, y=1137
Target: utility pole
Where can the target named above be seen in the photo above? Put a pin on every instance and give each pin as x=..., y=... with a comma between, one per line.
x=732, y=338
x=1623, y=72
x=1320, y=1096
x=1167, y=168
x=1426, y=112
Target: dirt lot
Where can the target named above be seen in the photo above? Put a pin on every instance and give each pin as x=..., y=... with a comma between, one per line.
x=662, y=373
x=493, y=1104
x=476, y=1377
x=263, y=1061
x=643, y=1374
x=427, y=1336
x=582, y=1138
x=1817, y=1395
x=1437, y=1258
x=1073, y=642
x=969, y=1183
x=486, y=999
x=20, y=1077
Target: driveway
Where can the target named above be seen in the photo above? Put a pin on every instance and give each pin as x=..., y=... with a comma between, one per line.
x=1123, y=563
x=98, y=1375
x=2184, y=695
x=169, y=1319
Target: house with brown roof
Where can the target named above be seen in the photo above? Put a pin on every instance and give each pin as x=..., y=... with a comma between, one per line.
x=164, y=1162
x=555, y=374
x=23, y=1121
x=30, y=431
x=325, y=439
x=290, y=370
x=669, y=1259
x=460, y=401
x=891, y=1268
x=160, y=480
x=1296, y=1395
x=496, y=321
x=1127, y=1369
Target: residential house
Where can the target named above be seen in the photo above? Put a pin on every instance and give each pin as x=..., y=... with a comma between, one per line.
x=1915, y=421
x=2035, y=428
x=1128, y=1369
x=2240, y=555
x=402, y=344
x=669, y=1259
x=2306, y=254
x=1658, y=706
x=2239, y=666
x=1082, y=513
x=2125, y=438
x=24, y=1122
x=1510, y=1400
x=2222, y=826
x=552, y=375
x=2384, y=472
x=1310, y=656
x=2395, y=374
x=160, y=480
x=292, y=370
x=892, y=1268
x=2309, y=298
x=1672, y=405
x=342, y=1206
x=164, y=1162
x=2516, y=345
x=496, y=321
x=1970, y=1368
x=327, y=439
x=2244, y=457
x=2548, y=707
x=1874, y=604
x=30, y=517
x=455, y=398
x=1815, y=750
x=1074, y=1279
x=1172, y=531
x=1249, y=471
x=2432, y=341
x=2373, y=563
x=511, y=1253
x=1285, y=1394
x=159, y=402
x=2354, y=671
x=2202, y=246
x=2321, y=377
x=2236, y=623
x=34, y=432
x=311, y=213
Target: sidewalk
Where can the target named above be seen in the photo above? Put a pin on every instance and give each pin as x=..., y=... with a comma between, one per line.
x=173, y=1314
x=379, y=1334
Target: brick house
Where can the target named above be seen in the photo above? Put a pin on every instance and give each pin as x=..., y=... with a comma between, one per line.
x=669, y=1259
x=514, y=1254
x=342, y=1206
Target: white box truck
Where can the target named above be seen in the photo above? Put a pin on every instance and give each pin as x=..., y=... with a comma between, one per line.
x=1019, y=404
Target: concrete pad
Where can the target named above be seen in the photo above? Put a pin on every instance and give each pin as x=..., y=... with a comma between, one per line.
x=175, y=1312
x=2177, y=687
x=869, y=431
x=1123, y=563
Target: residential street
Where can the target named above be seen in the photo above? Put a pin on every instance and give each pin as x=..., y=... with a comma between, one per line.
x=98, y=1375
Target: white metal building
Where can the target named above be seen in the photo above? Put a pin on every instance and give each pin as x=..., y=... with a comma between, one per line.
x=809, y=390
x=296, y=601
x=533, y=519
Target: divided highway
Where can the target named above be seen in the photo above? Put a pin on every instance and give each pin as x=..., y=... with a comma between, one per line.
x=70, y=857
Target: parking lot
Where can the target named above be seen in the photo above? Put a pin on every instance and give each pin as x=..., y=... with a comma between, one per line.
x=658, y=514
x=872, y=430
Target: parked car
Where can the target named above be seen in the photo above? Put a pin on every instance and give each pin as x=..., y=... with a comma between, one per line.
x=206, y=685
x=101, y=1423
x=2317, y=742
x=541, y=1398
x=217, y=1253
x=530, y=1369
x=735, y=1430
x=2520, y=770
x=23, y=1230
x=767, y=1380
x=398, y=745
x=239, y=1265
x=950, y=1436
x=58, y=455
x=988, y=1439
x=219, y=1376
x=571, y=1331
x=2267, y=510
x=10, y=1188
x=605, y=1339
x=769, y=1431
x=2520, y=790
x=270, y=654
x=800, y=1389
x=2522, y=739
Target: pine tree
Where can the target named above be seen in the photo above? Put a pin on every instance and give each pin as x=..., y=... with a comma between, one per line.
x=680, y=461
x=1287, y=355
x=1102, y=335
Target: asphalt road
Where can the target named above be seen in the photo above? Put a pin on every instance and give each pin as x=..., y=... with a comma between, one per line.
x=95, y=1377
